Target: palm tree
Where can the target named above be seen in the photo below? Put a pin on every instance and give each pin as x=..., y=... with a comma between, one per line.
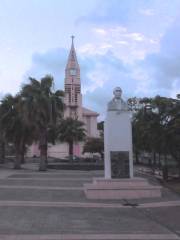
x=43, y=107
x=71, y=131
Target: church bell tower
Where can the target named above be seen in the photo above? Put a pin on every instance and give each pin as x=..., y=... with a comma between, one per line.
x=73, y=97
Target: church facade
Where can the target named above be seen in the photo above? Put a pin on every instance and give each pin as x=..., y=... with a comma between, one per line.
x=74, y=109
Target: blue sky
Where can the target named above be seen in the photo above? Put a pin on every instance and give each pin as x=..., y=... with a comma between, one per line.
x=134, y=44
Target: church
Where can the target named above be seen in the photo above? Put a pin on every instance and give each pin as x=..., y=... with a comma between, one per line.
x=74, y=109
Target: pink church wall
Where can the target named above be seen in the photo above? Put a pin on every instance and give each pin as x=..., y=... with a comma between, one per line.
x=35, y=150
x=77, y=150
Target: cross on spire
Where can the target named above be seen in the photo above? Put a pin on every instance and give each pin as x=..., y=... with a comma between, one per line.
x=72, y=38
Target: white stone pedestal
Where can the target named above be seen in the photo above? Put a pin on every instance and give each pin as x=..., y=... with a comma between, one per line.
x=118, y=139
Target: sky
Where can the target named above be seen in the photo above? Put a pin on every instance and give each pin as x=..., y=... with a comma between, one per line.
x=134, y=44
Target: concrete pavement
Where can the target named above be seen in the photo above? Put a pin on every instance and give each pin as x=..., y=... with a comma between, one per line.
x=53, y=206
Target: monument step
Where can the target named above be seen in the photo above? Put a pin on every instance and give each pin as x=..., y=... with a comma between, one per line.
x=132, y=188
x=116, y=187
x=123, y=182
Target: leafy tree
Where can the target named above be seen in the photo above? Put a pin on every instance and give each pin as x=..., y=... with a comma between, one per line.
x=173, y=132
x=71, y=131
x=156, y=128
x=100, y=127
x=94, y=145
x=43, y=108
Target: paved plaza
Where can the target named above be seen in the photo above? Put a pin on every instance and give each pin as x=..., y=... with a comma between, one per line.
x=52, y=206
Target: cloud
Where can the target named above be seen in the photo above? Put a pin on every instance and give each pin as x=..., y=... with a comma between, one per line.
x=130, y=12
x=126, y=45
x=51, y=62
x=163, y=67
x=147, y=12
x=113, y=11
x=100, y=31
x=142, y=19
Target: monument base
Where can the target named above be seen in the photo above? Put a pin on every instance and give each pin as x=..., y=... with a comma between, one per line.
x=129, y=188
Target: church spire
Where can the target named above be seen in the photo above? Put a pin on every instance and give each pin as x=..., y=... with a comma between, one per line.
x=72, y=59
x=72, y=82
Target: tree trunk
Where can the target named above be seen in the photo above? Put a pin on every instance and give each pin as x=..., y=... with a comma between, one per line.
x=179, y=169
x=150, y=161
x=154, y=158
x=22, y=152
x=2, y=152
x=17, y=161
x=154, y=162
x=159, y=160
x=102, y=155
x=165, y=169
x=22, y=158
x=137, y=157
x=43, y=158
x=178, y=164
x=71, y=151
x=177, y=158
x=43, y=150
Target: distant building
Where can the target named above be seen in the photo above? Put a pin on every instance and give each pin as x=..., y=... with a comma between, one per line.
x=74, y=109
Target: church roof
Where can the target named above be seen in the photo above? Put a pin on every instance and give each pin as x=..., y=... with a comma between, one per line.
x=72, y=58
x=88, y=112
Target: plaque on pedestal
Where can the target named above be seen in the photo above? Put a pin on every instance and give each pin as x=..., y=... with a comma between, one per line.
x=119, y=164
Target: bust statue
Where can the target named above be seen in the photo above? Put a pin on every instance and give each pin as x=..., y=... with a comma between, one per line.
x=117, y=103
